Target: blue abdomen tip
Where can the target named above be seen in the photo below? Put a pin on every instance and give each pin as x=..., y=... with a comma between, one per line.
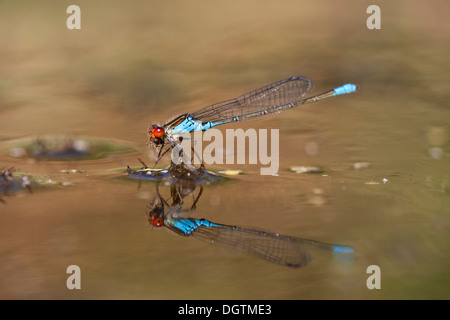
x=346, y=88
x=343, y=249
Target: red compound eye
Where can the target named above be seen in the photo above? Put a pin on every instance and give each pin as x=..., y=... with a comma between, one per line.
x=156, y=222
x=158, y=132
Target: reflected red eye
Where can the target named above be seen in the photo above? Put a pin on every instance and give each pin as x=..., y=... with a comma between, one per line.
x=158, y=132
x=156, y=222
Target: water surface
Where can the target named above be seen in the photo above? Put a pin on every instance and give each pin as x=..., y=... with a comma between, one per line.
x=135, y=64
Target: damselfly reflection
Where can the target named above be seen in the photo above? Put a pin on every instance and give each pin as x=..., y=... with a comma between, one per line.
x=274, y=247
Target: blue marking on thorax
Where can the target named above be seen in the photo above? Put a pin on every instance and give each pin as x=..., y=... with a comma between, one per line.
x=187, y=226
x=190, y=125
x=186, y=126
x=346, y=88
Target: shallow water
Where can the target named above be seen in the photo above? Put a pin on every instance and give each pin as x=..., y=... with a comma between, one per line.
x=132, y=65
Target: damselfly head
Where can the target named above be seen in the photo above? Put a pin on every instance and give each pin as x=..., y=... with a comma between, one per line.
x=156, y=135
x=156, y=131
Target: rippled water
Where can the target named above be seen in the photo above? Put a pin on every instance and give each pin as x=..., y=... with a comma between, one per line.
x=133, y=64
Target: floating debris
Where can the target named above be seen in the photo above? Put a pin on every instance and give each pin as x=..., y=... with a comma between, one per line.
x=436, y=152
x=306, y=169
x=175, y=173
x=10, y=184
x=145, y=173
x=384, y=180
x=17, y=152
x=317, y=198
x=73, y=171
x=361, y=165
x=231, y=172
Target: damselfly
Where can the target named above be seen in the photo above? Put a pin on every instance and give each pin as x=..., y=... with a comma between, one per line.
x=266, y=101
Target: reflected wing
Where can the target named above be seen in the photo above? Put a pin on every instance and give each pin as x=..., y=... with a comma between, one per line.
x=273, y=247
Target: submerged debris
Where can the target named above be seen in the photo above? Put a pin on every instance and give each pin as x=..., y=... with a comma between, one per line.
x=175, y=173
x=306, y=169
x=65, y=148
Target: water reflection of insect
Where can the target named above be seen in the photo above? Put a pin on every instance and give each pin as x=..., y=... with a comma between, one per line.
x=266, y=101
x=178, y=191
x=284, y=250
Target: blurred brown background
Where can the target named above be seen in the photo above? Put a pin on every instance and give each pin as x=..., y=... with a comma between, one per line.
x=134, y=63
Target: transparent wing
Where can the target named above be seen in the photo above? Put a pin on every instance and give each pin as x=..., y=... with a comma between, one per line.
x=253, y=104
